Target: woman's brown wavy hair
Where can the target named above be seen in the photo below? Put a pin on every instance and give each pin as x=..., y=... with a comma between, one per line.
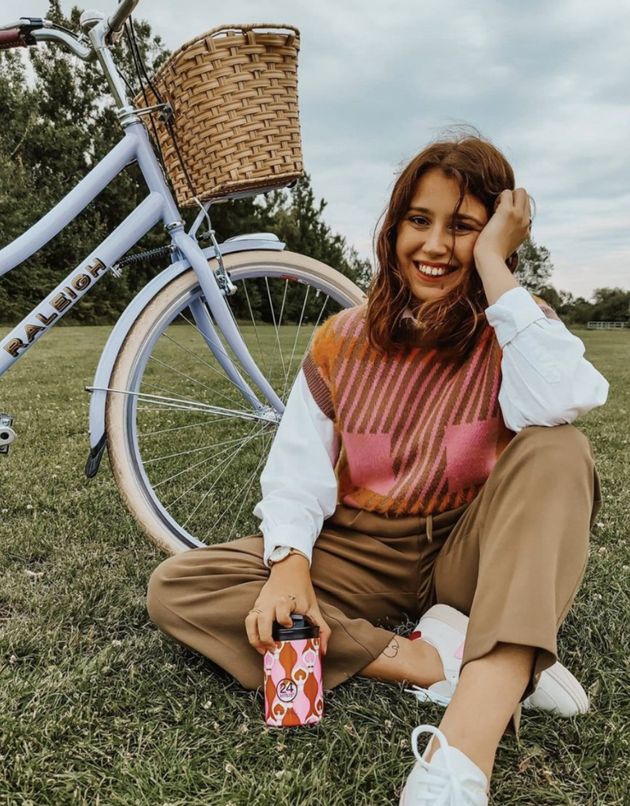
x=454, y=322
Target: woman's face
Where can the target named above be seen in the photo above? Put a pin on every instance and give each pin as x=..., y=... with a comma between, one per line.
x=425, y=236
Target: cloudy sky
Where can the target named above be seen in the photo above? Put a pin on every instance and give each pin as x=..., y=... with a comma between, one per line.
x=546, y=81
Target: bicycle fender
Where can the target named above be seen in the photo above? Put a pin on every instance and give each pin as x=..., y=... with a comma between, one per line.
x=98, y=437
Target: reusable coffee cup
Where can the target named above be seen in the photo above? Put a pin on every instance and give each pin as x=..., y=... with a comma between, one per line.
x=294, y=694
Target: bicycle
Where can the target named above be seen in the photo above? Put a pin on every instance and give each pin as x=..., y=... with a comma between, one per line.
x=179, y=399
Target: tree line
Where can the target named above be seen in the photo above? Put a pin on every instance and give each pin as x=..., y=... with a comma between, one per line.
x=606, y=305
x=58, y=122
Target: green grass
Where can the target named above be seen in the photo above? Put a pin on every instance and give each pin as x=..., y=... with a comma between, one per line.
x=96, y=707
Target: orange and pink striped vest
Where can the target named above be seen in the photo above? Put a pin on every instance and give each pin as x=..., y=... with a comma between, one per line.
x=418, y=434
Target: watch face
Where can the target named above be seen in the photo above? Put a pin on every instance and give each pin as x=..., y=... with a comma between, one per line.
x=279, y=553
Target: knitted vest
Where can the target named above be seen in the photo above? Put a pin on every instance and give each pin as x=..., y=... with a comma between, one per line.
x=419, y=434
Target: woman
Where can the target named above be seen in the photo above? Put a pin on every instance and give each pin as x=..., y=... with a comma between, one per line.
x=424, y=465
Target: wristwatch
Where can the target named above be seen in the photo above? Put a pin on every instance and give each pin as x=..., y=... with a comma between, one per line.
x=280, y=553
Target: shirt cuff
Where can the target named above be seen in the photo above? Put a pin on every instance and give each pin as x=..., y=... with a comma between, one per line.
x=511, y=313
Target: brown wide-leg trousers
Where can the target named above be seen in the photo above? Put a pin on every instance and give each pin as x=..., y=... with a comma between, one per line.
x=512, y=560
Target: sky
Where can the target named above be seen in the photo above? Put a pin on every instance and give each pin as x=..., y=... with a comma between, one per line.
x=545, y=81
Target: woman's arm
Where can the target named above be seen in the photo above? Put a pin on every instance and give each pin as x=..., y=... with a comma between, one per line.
x=299, y=485
x=299, y=489
x=545, y=378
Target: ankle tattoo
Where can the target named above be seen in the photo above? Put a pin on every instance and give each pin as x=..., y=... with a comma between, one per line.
x=392, y=649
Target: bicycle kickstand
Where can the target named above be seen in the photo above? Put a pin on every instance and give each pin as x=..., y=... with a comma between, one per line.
x=7, y=434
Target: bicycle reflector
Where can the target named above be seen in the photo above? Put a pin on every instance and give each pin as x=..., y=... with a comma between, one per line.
x=7, y=434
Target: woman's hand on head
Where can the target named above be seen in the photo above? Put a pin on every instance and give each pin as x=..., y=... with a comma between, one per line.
x=288, y=590
x=508, y=228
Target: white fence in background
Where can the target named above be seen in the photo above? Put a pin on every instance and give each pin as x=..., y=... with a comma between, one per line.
x=605, y=325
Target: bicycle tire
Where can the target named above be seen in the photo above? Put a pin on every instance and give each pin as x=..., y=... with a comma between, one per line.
x=132, y=415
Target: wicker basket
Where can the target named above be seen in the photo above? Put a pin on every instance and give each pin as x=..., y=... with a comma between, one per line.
x=233, y=92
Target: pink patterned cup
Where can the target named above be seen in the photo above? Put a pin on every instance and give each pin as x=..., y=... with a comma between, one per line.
x=293, y=676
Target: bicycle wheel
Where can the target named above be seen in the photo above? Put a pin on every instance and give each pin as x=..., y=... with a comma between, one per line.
x=185, y=447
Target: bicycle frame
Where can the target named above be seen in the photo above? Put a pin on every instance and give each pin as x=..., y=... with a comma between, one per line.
x=158, y=205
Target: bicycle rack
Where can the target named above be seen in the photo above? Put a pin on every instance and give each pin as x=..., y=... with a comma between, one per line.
x=7, y=434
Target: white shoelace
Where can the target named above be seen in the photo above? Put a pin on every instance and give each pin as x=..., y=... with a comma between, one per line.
x=426, y=695
x=440, y=786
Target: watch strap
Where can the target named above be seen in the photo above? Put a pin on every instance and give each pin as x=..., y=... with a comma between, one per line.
x=280, y=553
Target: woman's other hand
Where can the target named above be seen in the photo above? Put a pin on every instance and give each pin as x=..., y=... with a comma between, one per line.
x=289, y=589
x=507, y=228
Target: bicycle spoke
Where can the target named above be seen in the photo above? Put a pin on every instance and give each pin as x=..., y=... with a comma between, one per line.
x=165, y=456
x=219, y=372
x=275, y=326
x=254, y=475
x=317, y=323
x=244, y=440
x=169, y=392
x=183, y=375
x=201, y=424
x=191, y=405
x=284, y=299
x=160, y=409
x=251, y=314
x=214, y=445
x=295, y=341
x=210, y=489
x=226, y=463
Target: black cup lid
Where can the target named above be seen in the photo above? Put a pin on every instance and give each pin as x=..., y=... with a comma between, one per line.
x=302, y=628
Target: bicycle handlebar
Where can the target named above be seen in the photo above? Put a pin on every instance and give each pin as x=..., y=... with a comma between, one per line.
x=12, y=38
x=117, y=21
x=20, y=34
x=99, y=34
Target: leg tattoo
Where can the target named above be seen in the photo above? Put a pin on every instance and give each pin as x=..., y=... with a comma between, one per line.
x=392, y=649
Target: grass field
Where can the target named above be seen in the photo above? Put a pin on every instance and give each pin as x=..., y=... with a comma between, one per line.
x=96, y=707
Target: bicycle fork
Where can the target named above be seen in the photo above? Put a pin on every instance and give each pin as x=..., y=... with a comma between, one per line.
x=7, y=434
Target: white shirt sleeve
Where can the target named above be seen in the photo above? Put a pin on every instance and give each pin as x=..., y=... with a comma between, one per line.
x=545, y=378
x=299, y=485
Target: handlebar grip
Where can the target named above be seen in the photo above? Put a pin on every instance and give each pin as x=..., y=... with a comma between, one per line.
x=14, y=38
x=119, y=17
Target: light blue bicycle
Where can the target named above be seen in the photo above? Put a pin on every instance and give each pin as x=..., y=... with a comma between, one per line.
x=190, y=386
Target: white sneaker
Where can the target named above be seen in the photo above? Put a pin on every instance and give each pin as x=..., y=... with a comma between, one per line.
x=558, y=691
x=449, y=779
x=444, y=628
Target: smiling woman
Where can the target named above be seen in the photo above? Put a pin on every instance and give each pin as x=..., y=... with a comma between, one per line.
x=435, y=250
x=425, y=466
x=441, y=202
